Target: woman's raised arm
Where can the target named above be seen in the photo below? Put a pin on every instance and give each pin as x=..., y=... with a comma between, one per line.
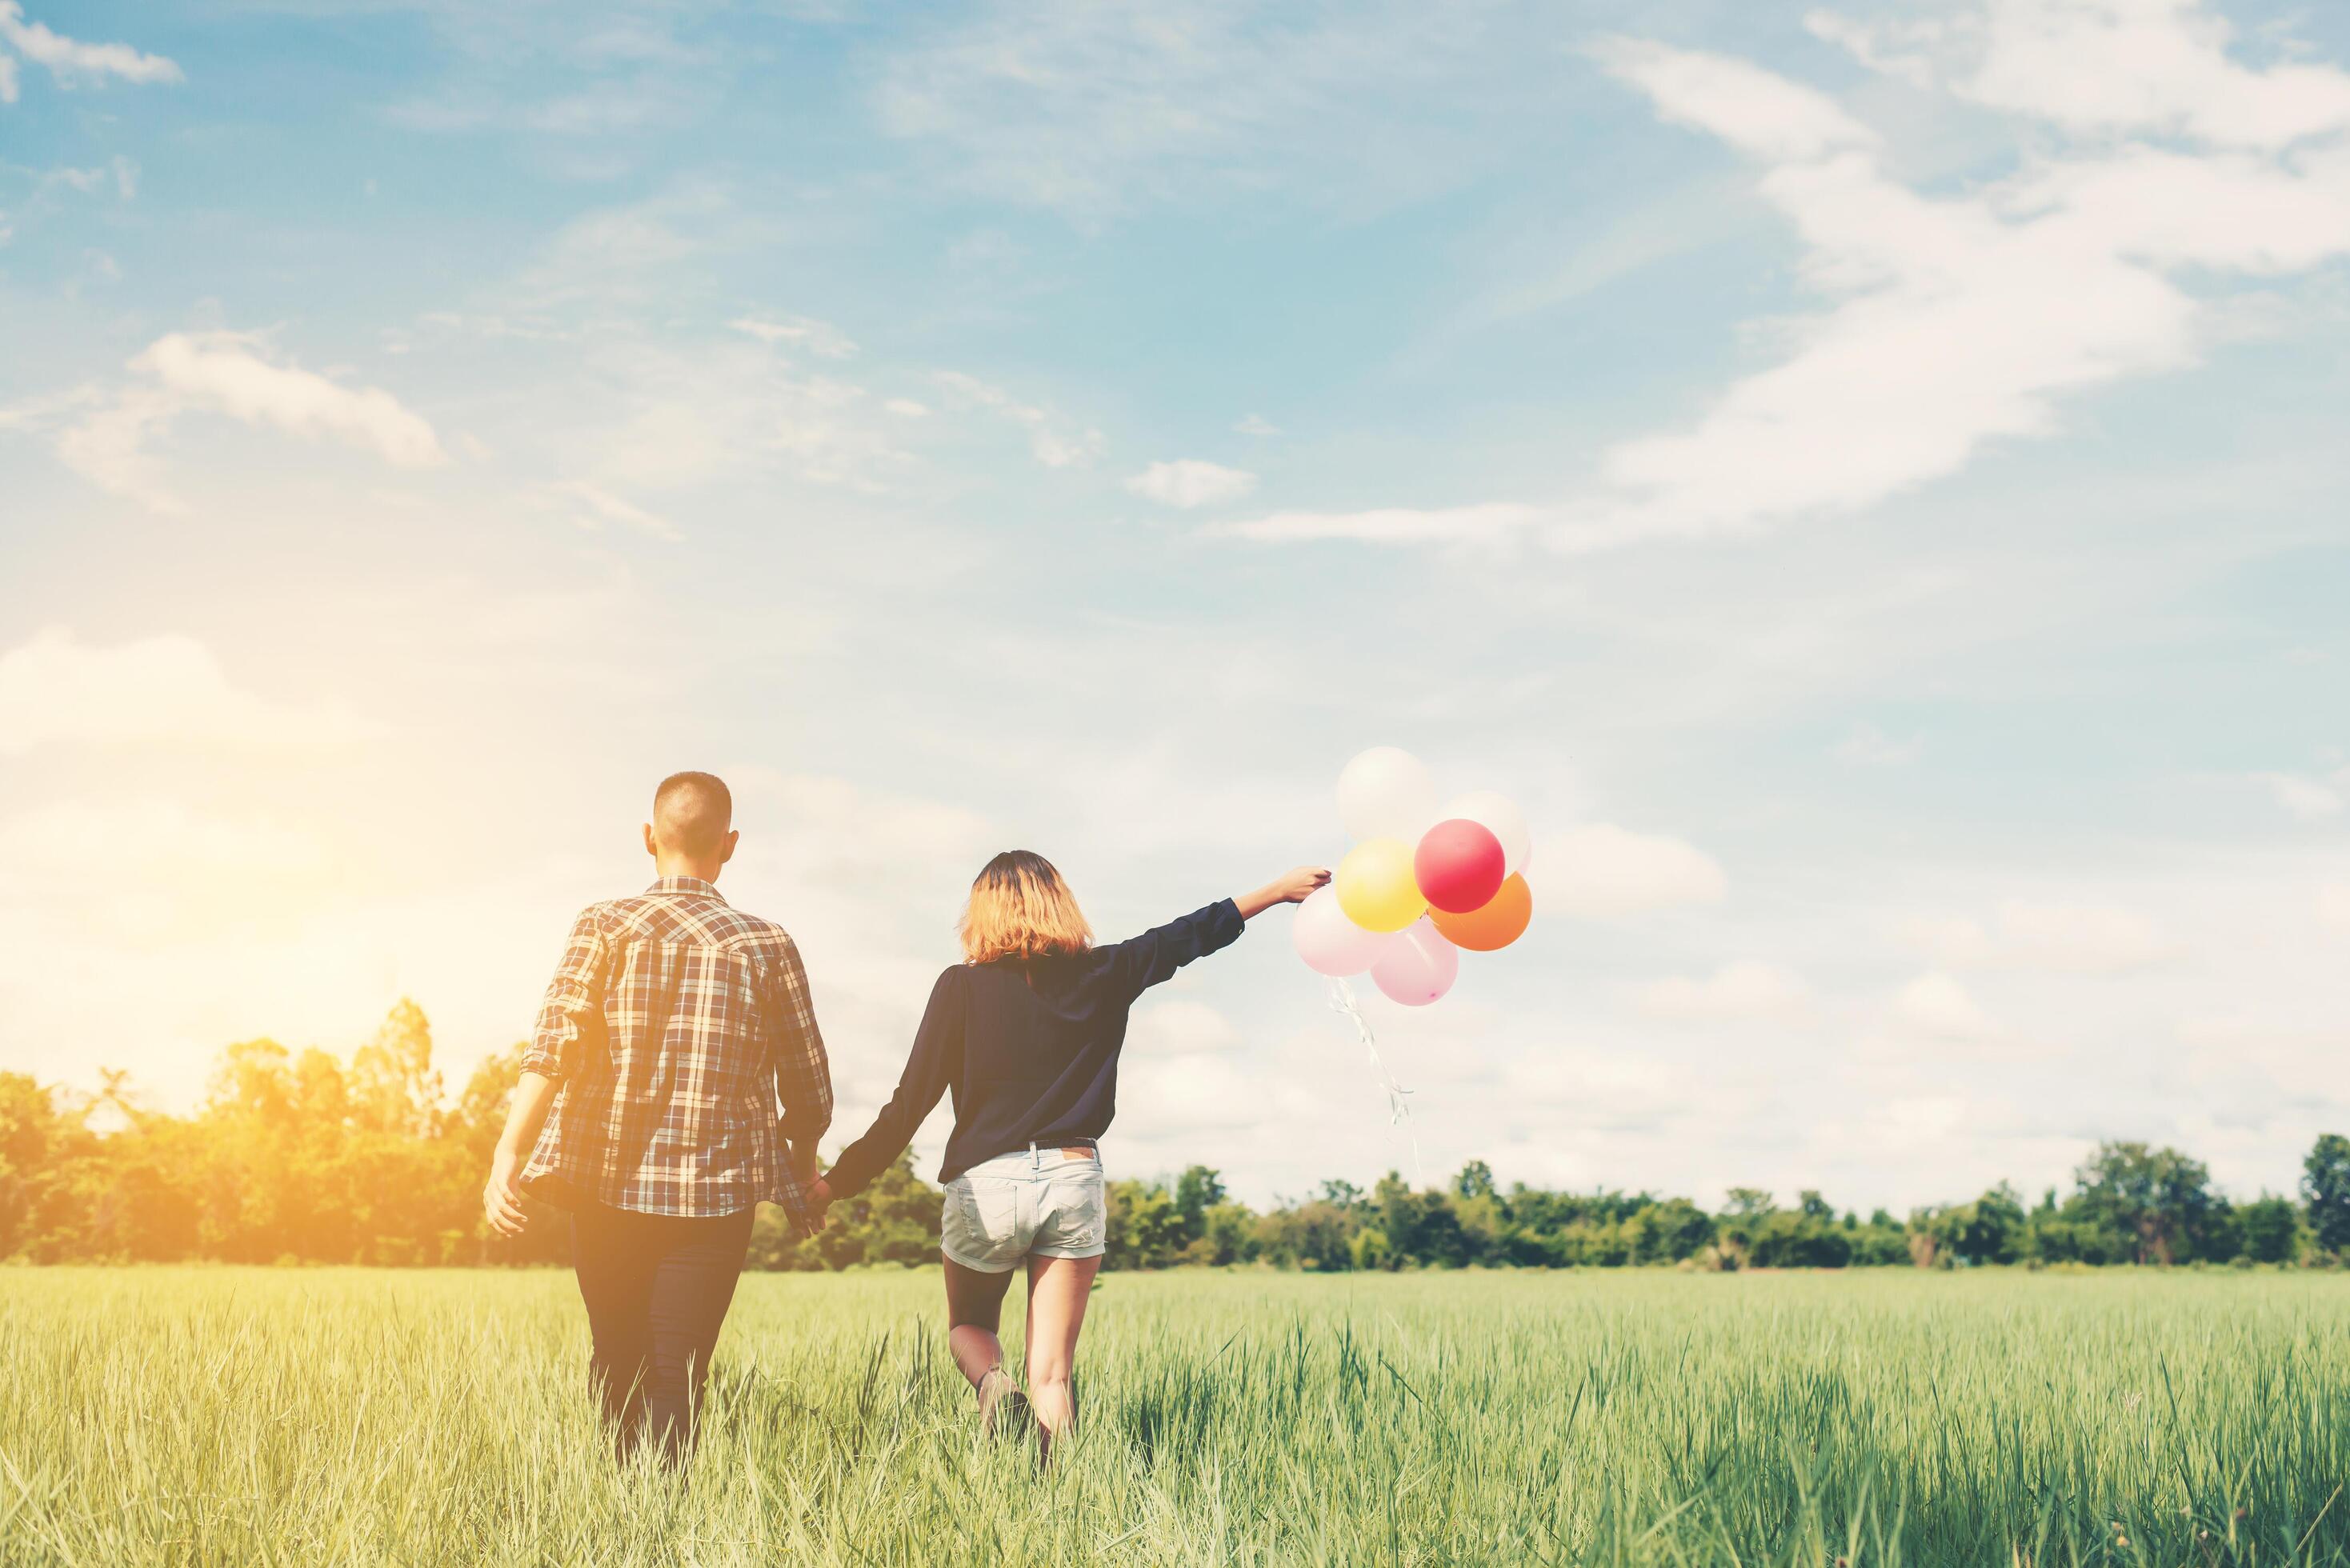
x=1290, y=887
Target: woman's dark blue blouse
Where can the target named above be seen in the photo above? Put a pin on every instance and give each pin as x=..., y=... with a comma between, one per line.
x=1029, y=1049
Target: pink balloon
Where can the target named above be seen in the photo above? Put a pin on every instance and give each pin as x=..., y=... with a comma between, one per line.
x=1332, y=944
x=1420, y=967
x=1458, y=865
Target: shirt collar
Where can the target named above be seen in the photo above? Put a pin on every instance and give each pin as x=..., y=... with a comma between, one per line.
x=693, y=886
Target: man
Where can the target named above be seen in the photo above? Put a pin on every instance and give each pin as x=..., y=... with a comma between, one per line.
x=648, y=1107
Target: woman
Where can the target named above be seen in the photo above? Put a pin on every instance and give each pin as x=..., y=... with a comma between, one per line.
x=1026, y=1032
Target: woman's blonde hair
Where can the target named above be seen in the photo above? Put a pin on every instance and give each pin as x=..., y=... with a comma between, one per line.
x=1021, y=909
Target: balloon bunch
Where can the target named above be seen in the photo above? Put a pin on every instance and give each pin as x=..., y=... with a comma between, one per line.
x=1419, y=884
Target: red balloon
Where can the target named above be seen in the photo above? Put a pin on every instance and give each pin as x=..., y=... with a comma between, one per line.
x=1458, y=865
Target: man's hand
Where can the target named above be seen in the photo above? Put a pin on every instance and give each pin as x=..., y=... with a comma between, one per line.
x=501, y=1197
x=800, y=1153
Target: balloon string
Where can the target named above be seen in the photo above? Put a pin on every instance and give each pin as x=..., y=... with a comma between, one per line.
x=1342, y=999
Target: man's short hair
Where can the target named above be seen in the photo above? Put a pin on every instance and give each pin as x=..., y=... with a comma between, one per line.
x=693, y=812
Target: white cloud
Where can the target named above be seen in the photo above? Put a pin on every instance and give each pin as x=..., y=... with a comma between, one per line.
x=1387, y=524
x=1189, y=481
x=1961, y=318
x=816, y=337
x=1603, y=872
x=651, y=412
x=2060, y=939
x=1054, y=443
x=2083, y=939
x=1764, y=115
x=906, y=409
x=1589, y=1089
x=869, y=882
x=840, y=827
x=1256, y=425
x=1182, y=1026
x=1868, y=747
x=1100, y=107
x=55, y=691
x=8, y=91
x=1936, y=1005
x=1964, y=318
x=71, y=61
x=148, y=838
x=592, y=506
x=150, y=869
x=2311, y=800
x=2163, y=70
x=1745, y=989
x=121, y=173
x=1868, y=44
x=225, y=373
x=223, y=370
x=1187, y=1096
x=2334, y=906
x=629, y=255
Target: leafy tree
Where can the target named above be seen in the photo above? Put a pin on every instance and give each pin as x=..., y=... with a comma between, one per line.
x=2271, y=1228
x=1991, y=1229
x=1315, y=1234
x=393, y=1088
x=2158, y=1196
x=1799, y=1238
x=1341, y=1194
x=1145, y=1229
x=1399, y=1211
x=2326, y=1187
x=1228, y=1235
x=1670, y=1231
x=1197, y=1190
x=38, y=1158
x=1880, y=1243
x=1744, y=1211
x=894, y=1220
x=306, y=1155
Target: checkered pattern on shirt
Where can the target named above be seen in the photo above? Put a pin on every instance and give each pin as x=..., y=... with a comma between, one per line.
x=673, y=1025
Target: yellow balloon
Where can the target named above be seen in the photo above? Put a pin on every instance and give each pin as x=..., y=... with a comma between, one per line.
x=1376, y=887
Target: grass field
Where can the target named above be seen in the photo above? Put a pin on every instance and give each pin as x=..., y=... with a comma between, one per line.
x=256, y=1416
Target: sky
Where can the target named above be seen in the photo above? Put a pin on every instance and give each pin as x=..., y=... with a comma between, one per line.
x=1865, y=481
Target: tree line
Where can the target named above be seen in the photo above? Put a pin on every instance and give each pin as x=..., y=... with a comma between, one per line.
x=309, y=1157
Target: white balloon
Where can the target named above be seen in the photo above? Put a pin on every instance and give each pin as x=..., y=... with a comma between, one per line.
x=1421, y=968
x=1503, y=819
x=1386, y=793
x=1332, y=944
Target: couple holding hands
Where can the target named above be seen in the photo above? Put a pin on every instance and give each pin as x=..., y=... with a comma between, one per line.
x=676, y=1080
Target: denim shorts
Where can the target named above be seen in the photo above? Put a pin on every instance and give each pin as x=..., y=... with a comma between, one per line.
x=1035, y=1203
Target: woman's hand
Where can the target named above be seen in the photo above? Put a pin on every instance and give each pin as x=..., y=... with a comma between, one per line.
x=1290, y=887
x=501, y=1197
x=818, y=1196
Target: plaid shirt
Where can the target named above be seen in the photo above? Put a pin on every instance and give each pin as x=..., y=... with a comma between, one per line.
x=672, y=1026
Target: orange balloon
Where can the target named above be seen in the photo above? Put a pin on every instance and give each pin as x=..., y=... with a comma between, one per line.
x=1496, y=923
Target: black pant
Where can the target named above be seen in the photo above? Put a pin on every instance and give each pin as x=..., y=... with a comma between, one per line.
x=657, y=1288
